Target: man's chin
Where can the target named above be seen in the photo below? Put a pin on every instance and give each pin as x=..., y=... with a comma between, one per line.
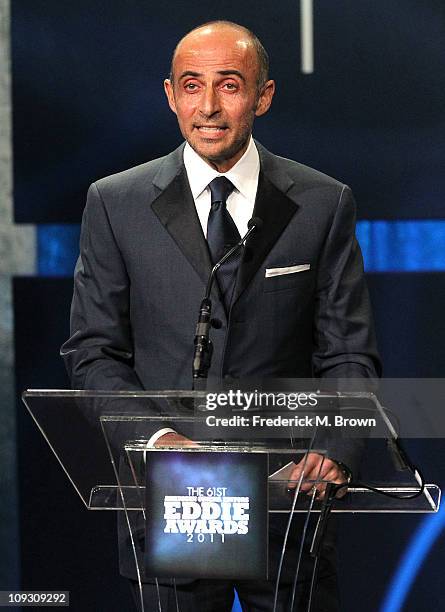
x=211, y=150
x=217, y=155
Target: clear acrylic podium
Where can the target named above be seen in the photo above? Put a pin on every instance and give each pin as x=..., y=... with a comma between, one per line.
x=100, y=441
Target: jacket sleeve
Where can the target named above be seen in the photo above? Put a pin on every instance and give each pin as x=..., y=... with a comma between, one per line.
x=99, y=353
x=345, y=352
x=344, y=338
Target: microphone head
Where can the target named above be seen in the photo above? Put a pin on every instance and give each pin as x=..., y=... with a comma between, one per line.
x=255, y=221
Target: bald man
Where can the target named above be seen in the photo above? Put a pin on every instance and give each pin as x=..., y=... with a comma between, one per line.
x=149, y=238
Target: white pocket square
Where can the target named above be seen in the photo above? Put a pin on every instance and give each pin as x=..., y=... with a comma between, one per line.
x=288, y=270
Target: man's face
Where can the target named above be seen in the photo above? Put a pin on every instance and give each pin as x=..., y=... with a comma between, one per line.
x=215, y=94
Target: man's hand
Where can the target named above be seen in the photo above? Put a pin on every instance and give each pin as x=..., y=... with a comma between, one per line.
x=174, y=439
x=318, y=467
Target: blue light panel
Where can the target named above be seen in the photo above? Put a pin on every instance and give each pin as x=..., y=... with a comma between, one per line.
x=388, y=246
x=57, y=249
x=402, y=246
x=236, y=604
x=412, y=561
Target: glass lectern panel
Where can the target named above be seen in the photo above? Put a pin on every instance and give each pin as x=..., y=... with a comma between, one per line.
x=101, y=442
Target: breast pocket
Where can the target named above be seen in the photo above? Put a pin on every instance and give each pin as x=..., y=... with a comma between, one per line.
x=282, y=278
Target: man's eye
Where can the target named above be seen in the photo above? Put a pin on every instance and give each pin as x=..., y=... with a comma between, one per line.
x=191, y=86
x=230, y=86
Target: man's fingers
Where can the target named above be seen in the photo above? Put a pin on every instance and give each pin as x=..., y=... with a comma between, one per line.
x=311, y=470
x=174, y=439
x=335, y=475
x=317, y=467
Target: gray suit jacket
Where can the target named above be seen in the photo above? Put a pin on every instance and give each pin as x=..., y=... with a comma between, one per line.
x=143, y=267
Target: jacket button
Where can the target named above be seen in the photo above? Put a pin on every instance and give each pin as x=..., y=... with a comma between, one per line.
x=216, y=323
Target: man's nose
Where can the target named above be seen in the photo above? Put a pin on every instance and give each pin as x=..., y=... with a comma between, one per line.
x=209, y=102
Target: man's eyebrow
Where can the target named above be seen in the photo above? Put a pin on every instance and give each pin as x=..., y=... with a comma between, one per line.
x=232, y=72
x=192, y=73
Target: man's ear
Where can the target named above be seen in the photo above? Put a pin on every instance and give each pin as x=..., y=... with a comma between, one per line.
x=168, y=88
x=265, y=98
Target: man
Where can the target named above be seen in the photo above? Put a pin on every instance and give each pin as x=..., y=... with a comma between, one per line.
x=296, y=306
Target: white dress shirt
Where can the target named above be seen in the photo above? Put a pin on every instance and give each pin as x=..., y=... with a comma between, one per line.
x=240, y=203
x=243, y=175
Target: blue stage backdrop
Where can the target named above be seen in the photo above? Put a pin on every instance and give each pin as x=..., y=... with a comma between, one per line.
x=88, y=101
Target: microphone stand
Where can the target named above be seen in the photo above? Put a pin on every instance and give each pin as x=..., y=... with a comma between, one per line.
x=202, y=357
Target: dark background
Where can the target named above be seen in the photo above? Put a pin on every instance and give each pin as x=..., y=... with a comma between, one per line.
x=88, y=101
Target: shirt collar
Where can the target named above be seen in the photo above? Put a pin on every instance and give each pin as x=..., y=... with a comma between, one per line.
x=243, y=175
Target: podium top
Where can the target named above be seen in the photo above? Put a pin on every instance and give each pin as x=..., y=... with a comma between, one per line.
x=93, y=434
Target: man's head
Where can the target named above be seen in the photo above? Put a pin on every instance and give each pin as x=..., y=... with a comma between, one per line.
x=218, y=85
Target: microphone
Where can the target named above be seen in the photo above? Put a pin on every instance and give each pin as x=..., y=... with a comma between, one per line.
x=202, y=356
x=254, y=221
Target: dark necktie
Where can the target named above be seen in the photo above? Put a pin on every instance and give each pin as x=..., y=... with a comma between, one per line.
x=222, y=234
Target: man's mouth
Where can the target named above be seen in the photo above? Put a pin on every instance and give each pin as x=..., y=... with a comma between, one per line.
x=211, y=129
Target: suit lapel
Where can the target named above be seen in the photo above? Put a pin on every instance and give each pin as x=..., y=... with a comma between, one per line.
x=275, y=210
x=176, y=210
